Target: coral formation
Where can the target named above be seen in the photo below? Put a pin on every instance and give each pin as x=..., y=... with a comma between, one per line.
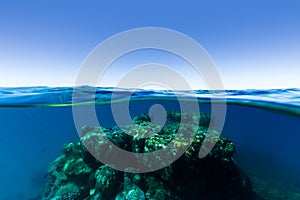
x=78, y=175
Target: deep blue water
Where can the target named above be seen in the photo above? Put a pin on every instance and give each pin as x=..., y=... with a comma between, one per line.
x=36, y=122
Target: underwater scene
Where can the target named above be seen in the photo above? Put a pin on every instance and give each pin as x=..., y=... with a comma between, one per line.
x=46, y=154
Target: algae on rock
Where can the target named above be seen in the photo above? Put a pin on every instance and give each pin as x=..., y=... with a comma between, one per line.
x=78, y=175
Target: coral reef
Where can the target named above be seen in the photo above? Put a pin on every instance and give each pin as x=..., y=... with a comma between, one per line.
x=77, y=175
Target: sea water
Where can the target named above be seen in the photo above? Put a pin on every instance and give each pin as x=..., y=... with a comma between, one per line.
x=36, y=122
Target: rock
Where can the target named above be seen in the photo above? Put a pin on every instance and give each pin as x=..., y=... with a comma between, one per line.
x=78, y=175
x=132, y=193
x=76, y=167
x=67, y=175
x=73, y=150
x=107, y=181
x=130, y=190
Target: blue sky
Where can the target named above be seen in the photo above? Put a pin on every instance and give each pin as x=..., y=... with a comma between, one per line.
x=254, y=44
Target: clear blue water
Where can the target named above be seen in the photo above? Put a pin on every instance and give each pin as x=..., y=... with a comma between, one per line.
x=36, y=122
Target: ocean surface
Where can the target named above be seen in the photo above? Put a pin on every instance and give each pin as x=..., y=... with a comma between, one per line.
x=35, y=123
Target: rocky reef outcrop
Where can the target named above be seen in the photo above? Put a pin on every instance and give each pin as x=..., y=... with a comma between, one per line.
x=77, y=175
